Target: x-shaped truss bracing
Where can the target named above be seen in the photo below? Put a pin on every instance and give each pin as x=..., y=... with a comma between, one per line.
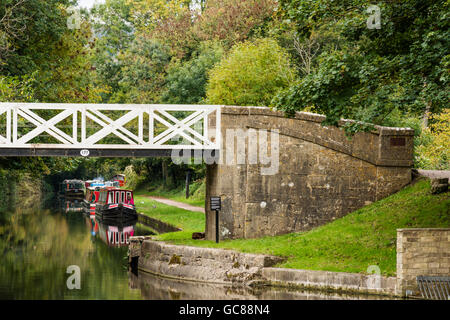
x=169, y=127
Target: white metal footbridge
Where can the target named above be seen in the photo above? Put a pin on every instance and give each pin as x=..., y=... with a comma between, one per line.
x=106, y=130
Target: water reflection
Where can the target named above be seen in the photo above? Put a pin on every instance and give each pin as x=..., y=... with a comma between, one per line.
x=70, y=205
x=38, y=245
x=156, y=288
x=115, y=233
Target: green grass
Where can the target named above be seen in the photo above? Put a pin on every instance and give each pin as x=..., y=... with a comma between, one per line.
x=350, y=244
x=188, y=221
x=196, y=198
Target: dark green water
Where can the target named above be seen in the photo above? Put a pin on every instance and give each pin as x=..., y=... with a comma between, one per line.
x=38, y=244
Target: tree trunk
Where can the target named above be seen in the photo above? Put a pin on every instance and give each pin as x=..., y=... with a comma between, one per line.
x=165, y=173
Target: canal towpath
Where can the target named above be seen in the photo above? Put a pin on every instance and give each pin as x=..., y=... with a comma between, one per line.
x=177, y=204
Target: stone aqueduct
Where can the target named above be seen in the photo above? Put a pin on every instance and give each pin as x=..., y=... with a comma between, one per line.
x=322, y=174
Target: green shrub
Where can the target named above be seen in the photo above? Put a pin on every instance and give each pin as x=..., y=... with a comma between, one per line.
x=434, y=150
x=186, y=82
x=251, y=74
x=133, y=179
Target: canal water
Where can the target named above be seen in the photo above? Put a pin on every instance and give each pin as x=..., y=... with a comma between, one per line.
x=39, y=241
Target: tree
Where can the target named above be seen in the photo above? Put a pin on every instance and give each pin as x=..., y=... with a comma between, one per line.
x=401, y=66
x=12, y=27
x=434, y=152
x=144, y=69
x=27, y=30
x=251, y=74
x=186, y=81
x=232, y=20
x=114, y=31
x=68, y=75
x=18, y=89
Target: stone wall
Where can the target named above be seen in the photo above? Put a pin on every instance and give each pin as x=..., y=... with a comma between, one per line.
x=198, y=264
x=421, y=252
x=158, y=288
x=334, y=281
x=236, y=269
x=322, y=174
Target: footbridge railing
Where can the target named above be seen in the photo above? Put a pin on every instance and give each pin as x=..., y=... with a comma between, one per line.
x=106, y=129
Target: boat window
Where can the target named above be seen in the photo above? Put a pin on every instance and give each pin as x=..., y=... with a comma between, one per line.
x=110, y=197
x=122, y=197
x=117, y=196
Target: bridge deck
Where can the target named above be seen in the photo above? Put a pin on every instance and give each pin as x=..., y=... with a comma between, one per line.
x=106, y=130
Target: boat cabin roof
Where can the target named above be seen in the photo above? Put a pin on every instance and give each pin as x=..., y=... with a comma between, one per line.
x=72, y=181
x=114, y=195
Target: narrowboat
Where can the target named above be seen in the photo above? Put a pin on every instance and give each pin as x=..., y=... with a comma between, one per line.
x=120, y=178
x=114, y=184
x=90, y=200
x=92, y=196
x=73, y=189
x=115, y=203
x=94, y=183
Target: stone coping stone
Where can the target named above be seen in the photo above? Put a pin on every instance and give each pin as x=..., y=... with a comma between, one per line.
x=227, y=256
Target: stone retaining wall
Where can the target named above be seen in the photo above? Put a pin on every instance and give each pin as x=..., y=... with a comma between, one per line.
x=201, y=264
x=243, y=269
x=326, y=280
x=421, y=252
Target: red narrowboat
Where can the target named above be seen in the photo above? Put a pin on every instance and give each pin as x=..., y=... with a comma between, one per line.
x=91, y=199
x=115, y=203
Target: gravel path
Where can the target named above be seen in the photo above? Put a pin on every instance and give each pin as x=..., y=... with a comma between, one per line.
x=177, y=204
x=435, y=173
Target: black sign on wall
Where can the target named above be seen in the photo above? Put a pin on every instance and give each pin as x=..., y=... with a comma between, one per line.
x=215, y=203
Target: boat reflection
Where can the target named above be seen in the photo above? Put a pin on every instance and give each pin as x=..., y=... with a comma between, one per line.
x=113, y=232
x=67, y=205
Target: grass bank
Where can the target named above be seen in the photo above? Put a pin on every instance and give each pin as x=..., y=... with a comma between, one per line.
x=188, y=221
x=196, y=198
x=350, y=244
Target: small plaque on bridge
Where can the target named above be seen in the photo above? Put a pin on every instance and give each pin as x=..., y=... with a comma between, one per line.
x=215, y=203
x=84, y=152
